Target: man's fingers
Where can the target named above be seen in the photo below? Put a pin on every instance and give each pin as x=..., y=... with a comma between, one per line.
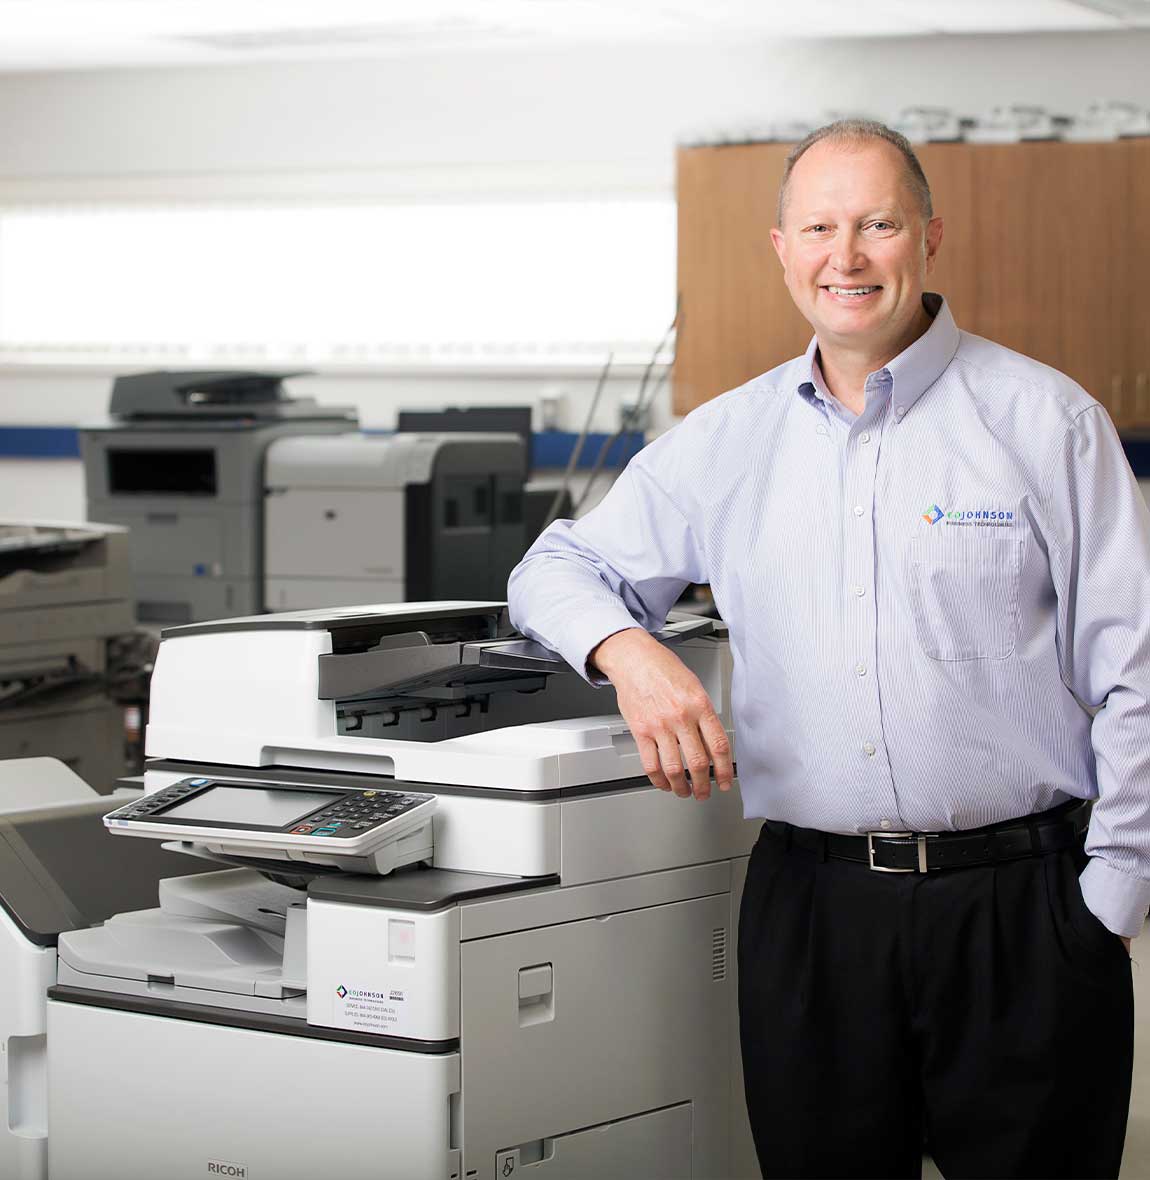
x=672, y=764
x=698, y=762
x=719, y=748
x=649, y=756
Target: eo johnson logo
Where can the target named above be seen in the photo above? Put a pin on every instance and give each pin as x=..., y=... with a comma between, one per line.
x=359, y=993
x=984, y=517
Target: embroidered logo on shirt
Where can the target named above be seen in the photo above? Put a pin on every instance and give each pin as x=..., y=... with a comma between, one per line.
x=986, y=517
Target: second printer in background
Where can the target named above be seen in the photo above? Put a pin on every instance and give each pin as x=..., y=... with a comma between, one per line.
x=540, y=503
x=392, y=518
x=182, y=466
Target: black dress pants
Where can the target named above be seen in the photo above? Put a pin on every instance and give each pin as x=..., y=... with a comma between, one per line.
x=985, y=1008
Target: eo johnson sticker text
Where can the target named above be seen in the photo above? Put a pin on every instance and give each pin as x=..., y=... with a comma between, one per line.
x=994, y=518
x=373, y=1011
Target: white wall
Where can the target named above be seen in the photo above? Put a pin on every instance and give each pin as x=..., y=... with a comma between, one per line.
x=612, y=113
x=554, y=121
x=61, y=398
x=41, y=489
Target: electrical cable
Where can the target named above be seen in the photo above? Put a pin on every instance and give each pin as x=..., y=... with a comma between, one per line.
x=577, y=449
x=634, y=417
x=641, y=409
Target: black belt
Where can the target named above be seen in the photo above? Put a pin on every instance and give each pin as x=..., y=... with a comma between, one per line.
x=923, y=852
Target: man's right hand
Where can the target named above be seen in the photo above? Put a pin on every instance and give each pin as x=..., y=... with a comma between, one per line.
x=670, y=715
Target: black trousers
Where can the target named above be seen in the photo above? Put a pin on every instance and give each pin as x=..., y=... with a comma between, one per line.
x=985, y=1008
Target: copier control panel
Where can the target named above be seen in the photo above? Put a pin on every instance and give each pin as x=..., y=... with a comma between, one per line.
x=284, y=816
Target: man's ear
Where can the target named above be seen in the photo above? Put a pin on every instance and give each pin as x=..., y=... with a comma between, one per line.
x=780, y=244
x=933, y=241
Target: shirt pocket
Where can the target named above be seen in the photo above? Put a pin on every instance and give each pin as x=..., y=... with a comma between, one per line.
x=964, y=594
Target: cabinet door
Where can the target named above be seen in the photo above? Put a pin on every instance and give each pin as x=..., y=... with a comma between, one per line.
x=949, y=169
x=1051, y=259
x=737, y=318
x=1135, y=227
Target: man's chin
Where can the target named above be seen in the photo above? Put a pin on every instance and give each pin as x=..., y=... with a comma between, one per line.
x=850, y=327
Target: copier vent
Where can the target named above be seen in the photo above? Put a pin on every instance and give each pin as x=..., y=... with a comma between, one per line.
x=719, y=954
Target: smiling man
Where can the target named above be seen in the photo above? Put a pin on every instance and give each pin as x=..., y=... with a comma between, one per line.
x=933, y=560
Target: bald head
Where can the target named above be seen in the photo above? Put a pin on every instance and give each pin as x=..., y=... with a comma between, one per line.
x=851, y=135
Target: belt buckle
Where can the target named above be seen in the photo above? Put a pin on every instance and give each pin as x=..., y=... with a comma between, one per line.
x=920, y=841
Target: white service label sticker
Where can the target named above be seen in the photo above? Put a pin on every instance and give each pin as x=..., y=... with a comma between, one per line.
x=371, y=1011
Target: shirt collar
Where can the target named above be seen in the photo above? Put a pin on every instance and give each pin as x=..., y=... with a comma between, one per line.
x=913, y=371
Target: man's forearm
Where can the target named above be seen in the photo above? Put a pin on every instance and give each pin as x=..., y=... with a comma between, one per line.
x=619, y=649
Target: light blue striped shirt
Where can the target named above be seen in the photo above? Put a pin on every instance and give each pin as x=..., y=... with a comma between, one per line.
x=922, y=599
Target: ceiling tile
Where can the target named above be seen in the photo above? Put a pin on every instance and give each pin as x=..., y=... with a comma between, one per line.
x=1012, y=16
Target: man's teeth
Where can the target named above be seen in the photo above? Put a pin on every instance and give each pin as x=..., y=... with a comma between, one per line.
x=851, y=290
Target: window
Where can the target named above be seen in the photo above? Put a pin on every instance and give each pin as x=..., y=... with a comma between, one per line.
x=458, y=283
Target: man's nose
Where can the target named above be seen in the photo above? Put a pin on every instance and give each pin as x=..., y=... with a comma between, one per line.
x=847, y=256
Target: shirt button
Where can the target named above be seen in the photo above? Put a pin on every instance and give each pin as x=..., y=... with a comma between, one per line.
x=885, y=825
x=859, y=510
x=820, y=429
x=858, y=591
x=864, y=437
x=868, y=749
x=860, y=669
x=899, y=411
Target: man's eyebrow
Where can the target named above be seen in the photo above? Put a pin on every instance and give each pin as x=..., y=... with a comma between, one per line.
x=810, y=219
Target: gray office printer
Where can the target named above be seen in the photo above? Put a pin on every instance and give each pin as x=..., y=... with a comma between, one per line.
x=392, y=518
x=65, y=594
x=182, y=465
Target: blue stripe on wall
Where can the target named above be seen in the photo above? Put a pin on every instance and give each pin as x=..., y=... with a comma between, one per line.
x=39, y=442
x=551, y=448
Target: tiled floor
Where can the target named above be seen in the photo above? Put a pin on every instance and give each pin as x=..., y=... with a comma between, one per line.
x=1136, y=1158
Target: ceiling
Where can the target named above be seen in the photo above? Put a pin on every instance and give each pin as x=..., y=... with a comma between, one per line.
x=87, y=34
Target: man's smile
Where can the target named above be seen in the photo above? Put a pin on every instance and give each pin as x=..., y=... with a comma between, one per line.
x=850, y=293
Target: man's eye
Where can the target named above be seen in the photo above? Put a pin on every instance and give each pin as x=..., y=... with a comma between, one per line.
x=882, y=225
x=817, y=229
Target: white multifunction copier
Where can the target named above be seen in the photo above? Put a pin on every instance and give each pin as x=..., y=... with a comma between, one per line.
x=57, y=874
x=461, y=936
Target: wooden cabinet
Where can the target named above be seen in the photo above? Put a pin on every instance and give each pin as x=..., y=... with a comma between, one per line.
x=1135, y=230
x=1046, y=249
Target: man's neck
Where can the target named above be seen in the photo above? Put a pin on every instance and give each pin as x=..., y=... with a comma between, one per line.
x=845, y=369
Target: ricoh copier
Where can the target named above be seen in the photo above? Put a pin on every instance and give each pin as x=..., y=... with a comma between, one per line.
x=56, y=874
x=65, y=596
x=181, y=465
x=392, y=518
x=452, y=932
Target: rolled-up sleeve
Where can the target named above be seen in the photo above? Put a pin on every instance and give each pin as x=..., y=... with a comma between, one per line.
x=1100, y=561
x=622, y=565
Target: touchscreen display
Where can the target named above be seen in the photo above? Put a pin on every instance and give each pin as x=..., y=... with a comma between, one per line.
x=266, y=807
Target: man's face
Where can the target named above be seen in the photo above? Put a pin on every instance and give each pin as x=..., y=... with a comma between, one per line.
x=853, y=245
